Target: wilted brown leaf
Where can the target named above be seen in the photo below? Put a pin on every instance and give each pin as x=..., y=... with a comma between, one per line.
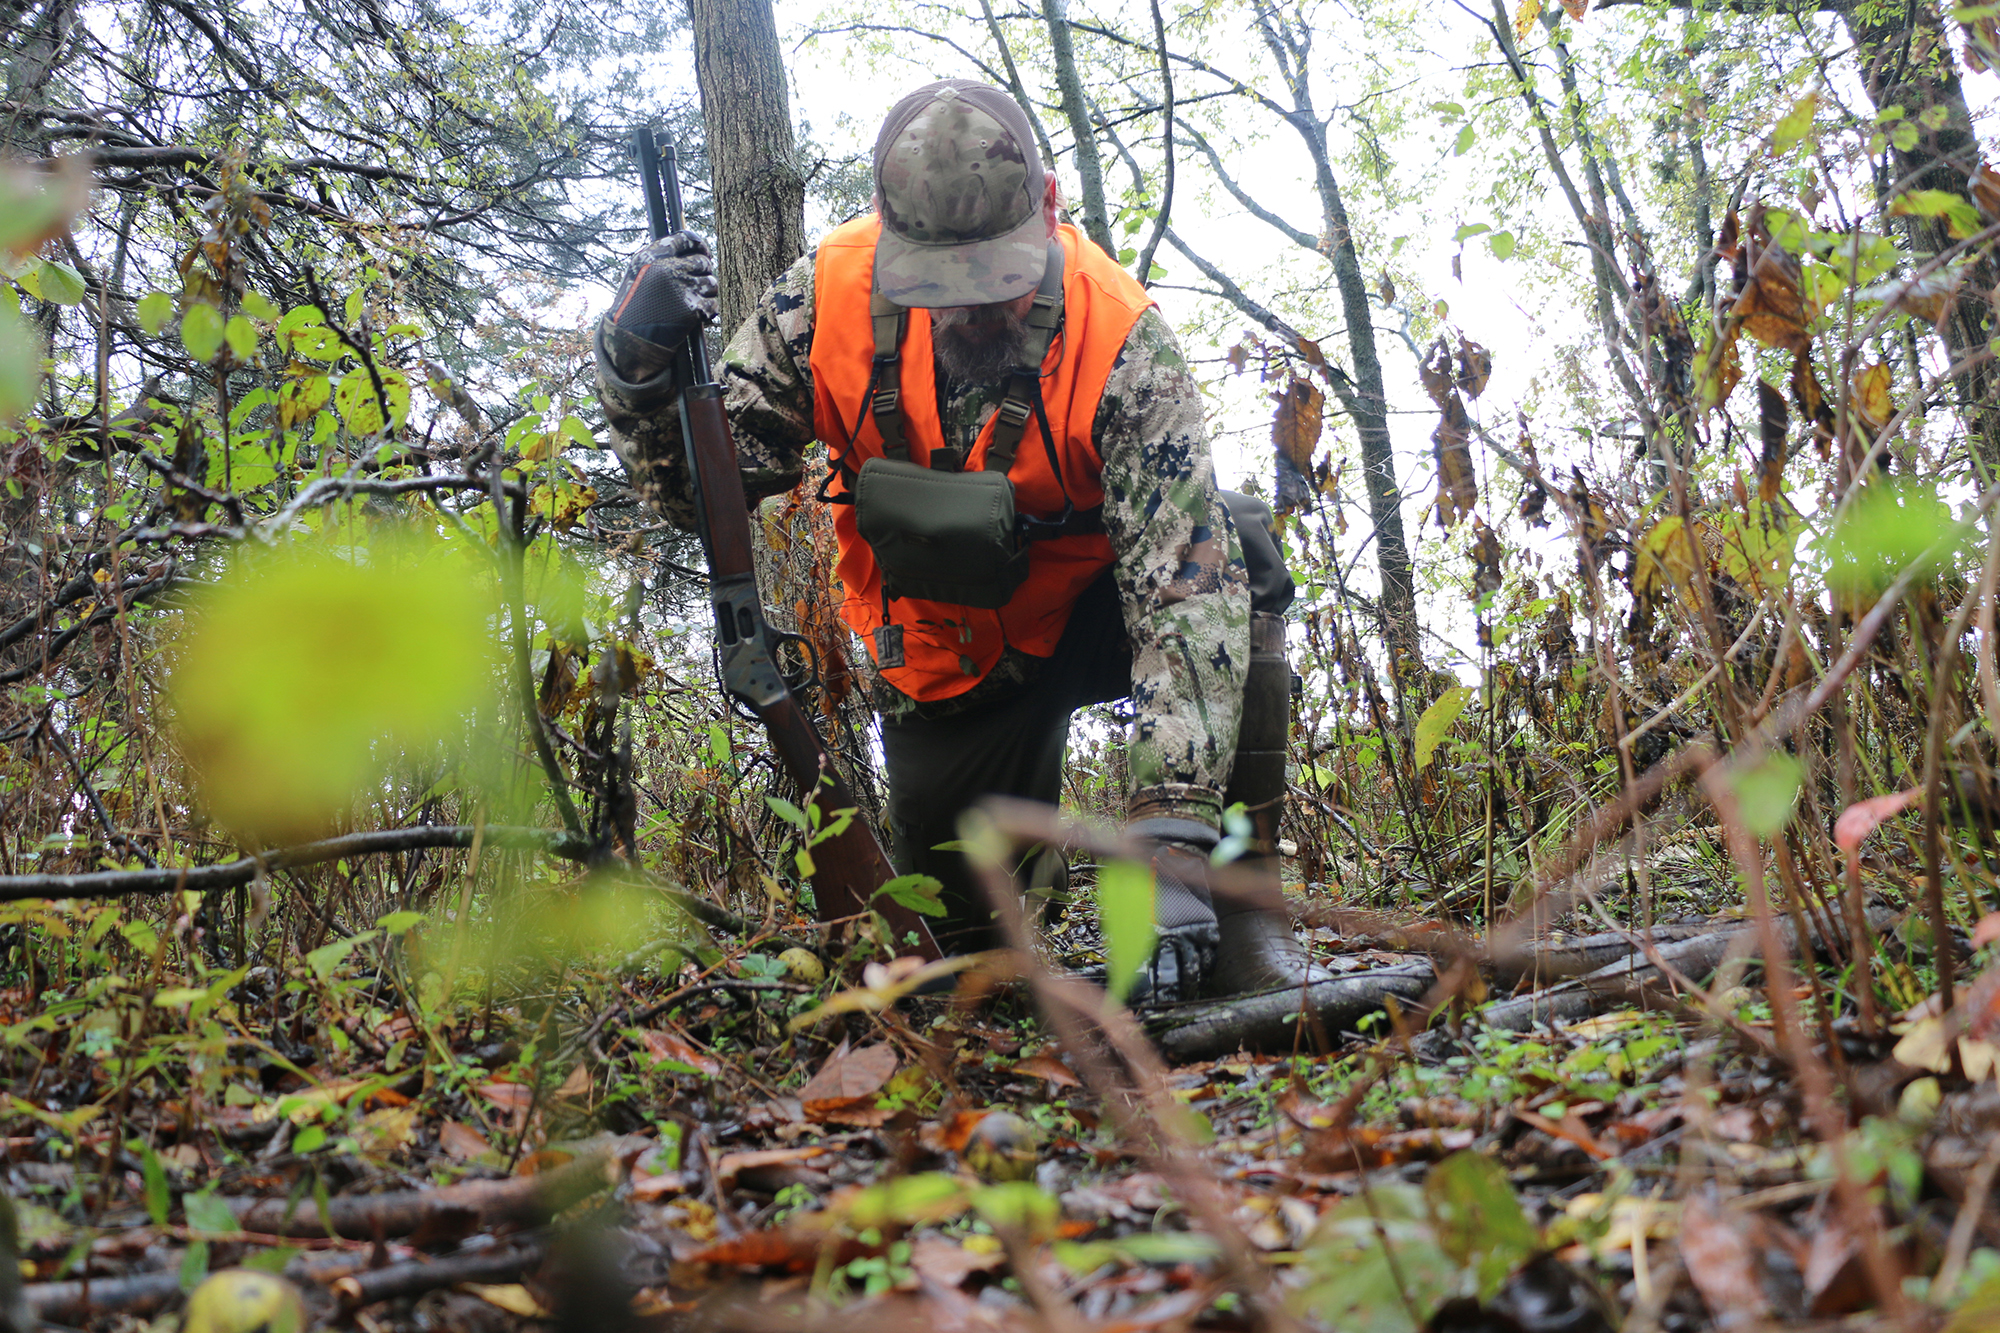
x=1475, y=367
x=848, y=1082
x=462, y=1141
x=1237, y=357
x=1487, y=555
x=1300, y=419
x=1721, y=1259
x=1435, y=371
x=733, y=1164
x=1458, y=483
x=1719, y=368
x=1385, y=286
x=1048, y=1067
x=1771, y=307
x=667, y=1046
x=1984, y=186
x=1868, y=395
x=1774, y=423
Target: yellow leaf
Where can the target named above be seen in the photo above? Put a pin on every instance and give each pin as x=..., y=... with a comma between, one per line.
x=513, y=1298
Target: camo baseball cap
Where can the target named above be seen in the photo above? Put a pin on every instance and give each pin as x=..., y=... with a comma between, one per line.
x=960, y=188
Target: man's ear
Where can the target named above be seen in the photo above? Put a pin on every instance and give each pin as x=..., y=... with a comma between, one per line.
x=1051, y=201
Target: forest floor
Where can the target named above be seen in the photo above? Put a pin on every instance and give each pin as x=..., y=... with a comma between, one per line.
x=733, y=1144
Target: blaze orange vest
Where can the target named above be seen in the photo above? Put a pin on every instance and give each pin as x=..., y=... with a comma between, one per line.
x=948, y=649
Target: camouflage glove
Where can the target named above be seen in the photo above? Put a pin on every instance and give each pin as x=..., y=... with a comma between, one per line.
x=1184, y=953
x=668, y=294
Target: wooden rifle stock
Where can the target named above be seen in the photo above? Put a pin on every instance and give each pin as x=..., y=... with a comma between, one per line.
x=849, y=867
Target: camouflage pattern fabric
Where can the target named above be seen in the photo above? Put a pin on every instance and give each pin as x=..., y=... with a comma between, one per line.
x=1179, y=567
x=961, y=195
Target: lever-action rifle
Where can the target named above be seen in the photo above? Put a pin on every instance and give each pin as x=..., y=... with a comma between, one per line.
x=851, y=866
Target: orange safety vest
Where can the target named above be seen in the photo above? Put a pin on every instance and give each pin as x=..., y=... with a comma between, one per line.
x=948, y=649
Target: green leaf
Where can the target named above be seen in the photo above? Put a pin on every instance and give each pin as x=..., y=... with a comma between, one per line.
x=259, y=306
x=20, y=366
x=1502, y=243
x=1981, y=1311
x=208, y=1212
x=241, y=335
x=1960, y=217
x=718, y=744
x=310, y=1139
x=1795, y=124
x=1470, y=230
x=1478, y=1219
x=328, y=957
x=1465, y=137
x=919, y=893
x=788, y=812
x=201, y=331
x=361, y=408
x=194, y=1266
x=1889, y=526
x=159, y=1201
x=61, y=284
x=1766, y=794
x=1125, y=897
x=1905, y=136
x=1127, y=255
x=400, y=923
x=1436, y=722
x=576, y=430
x=155, y=308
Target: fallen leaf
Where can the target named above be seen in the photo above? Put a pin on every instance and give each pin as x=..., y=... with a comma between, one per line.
x=387, y=1131
x=1720, y=1258
x=730, y=1165
x=462, y=1141
x=650, y=1189
x=667, y=1046
x=1859, y=820
x=847, y=1080
x=506, y=1096
x=512, y=1297
x=577, y=1086
x=949, y=1264
x=1048, y=1067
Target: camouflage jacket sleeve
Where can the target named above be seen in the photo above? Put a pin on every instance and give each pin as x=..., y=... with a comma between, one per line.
x=1180, y=575
x=766, y=389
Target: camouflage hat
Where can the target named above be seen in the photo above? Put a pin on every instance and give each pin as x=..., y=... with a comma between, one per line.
x=960, y=189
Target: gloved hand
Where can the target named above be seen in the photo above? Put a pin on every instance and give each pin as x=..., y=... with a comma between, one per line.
x=667, y=295
x=1185, y=950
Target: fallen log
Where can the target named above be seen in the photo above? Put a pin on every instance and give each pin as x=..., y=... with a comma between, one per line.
x=1283, y=1020
x=500, y=1263
x=75, y=1302
x=1629, y=979
x=476, y=1205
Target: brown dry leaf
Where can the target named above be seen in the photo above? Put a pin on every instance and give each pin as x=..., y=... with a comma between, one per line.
x=1868, y=394
x=462, y=1141
x=1301, y=416
x=1774, y=425
x=577, y=1086
x=1721, y=1259
x=1859, y=820
x=506, y=1096
x=1046, y=1066
x=1720, y=370
x=788, y=1248
x=1435, y=371
x=1237, y=357
x=948, y=1264
x=667, y=1046
x=1488, y=555
x=1458, y=481
x=1836, y=1277
x=1771, y=307
x=1984, y=186
x=1475, y=367
x=847, y=1080
x=950, y=1135
x=651, y=1189
x=732, y=1164
x=387, y=1131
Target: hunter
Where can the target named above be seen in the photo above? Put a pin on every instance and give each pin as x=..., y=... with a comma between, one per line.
x=1027, y=515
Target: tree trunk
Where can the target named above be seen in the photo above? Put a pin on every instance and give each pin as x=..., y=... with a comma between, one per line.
x=1907, y=61
x=759, y=195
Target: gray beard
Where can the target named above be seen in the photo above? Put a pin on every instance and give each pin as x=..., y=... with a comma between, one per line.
x=978, y=351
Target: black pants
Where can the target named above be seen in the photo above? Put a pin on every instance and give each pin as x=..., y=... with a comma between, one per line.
x=1015, y=746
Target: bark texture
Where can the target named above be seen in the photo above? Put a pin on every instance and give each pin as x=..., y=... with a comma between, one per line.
x=746, y=111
